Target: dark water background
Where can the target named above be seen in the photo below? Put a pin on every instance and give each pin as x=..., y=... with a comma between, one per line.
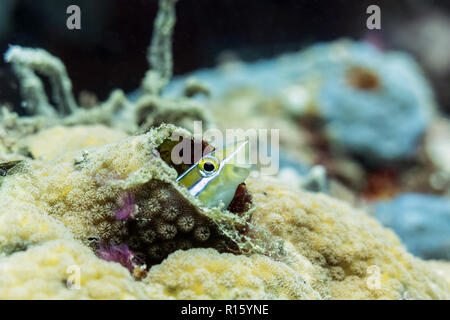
x=110, y=50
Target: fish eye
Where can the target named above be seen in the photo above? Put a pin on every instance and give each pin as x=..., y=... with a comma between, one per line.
x=208, y=165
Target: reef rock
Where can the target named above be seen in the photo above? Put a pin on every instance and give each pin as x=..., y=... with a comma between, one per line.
x=376, y=104
x=421, y=221
x=52, y=142
x=373, y=103
x=60, y=236
x=121, y=199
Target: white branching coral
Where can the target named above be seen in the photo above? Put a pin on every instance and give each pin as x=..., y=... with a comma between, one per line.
x=160, y=51
x=31, y=65
x=26, y=62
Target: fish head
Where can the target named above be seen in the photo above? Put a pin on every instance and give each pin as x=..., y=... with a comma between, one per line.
x=215, y=177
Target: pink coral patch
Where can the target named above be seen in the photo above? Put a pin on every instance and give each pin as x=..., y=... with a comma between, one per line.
x=128, y=206
x=120, y=254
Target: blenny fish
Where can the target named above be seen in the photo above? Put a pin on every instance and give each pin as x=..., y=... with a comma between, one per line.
x=215, y=177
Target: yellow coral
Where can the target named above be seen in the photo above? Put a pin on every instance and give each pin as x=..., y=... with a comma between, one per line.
x=50, y=143
x=77, y=187
x=52, y=269
x=331, y=250
x=442, y=268
x=353, y=256
x=207, y=274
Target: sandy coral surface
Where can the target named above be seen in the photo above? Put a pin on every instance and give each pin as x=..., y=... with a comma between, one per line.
x=353, y=256
x=71, y=138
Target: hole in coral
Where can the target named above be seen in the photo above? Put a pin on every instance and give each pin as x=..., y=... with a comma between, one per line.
x=165, y=151
x=165, y=222
x=242, y=200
